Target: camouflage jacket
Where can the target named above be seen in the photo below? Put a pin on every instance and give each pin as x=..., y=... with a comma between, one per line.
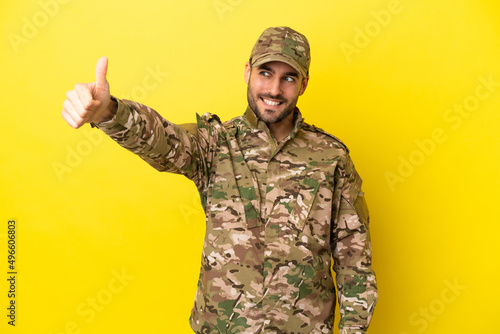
x=276, y=214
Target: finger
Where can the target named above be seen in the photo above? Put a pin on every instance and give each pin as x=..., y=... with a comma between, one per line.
x=68, y=107
x=68, y=119
x=71, y=113
x=82, y=103
x=85, y=97
x=101, y=70
x=75, y=103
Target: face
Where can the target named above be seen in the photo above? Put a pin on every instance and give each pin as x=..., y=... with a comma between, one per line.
x=273, y=90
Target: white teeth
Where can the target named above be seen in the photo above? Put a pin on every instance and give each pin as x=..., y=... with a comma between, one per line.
x=271, y=103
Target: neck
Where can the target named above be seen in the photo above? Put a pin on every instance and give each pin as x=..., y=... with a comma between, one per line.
x=283, y=128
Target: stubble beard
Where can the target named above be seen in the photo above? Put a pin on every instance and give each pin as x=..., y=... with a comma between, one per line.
x=252, y=102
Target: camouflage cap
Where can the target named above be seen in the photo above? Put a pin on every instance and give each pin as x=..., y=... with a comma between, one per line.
x=282, y=44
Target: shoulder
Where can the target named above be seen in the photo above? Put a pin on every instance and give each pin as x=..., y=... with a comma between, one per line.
x=311, y=128
x=209, y=118
x=214, y=120
x=208, y=122
x=213, y=125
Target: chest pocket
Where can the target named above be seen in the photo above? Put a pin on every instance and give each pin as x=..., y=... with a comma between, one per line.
x=294, y=199
x=234, y=202
x=308, y=190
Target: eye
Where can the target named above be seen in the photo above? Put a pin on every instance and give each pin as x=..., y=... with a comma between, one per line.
x=289, y=79
x=264, y=73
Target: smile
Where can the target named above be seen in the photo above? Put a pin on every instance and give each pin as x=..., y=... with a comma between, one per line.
x=271, y=102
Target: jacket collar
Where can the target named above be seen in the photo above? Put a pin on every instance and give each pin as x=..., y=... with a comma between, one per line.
x=257, y=124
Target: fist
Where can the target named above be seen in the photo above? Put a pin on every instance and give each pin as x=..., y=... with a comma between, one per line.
x=88, y=102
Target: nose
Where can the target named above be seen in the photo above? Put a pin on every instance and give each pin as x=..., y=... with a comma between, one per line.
x=275, y=86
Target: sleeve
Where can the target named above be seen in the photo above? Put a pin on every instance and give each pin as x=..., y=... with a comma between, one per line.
x=352, y=252
x=183, y=149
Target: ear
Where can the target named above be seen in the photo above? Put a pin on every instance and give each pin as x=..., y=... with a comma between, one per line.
x=304, y=85
x=248, y=69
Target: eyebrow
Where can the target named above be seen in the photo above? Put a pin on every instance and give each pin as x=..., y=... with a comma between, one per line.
x=266, y=68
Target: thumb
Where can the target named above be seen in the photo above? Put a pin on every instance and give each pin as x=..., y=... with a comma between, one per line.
x=101, y=70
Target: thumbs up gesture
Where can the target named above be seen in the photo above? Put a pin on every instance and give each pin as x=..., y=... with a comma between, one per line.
x=90, y=102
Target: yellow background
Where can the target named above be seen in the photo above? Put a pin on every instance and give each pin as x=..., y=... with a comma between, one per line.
x=108, y=212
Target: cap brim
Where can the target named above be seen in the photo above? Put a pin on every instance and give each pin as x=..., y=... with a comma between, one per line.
x=282, y=58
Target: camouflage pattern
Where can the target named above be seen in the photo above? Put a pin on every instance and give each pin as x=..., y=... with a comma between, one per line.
x=276, y=214
x=282, y=44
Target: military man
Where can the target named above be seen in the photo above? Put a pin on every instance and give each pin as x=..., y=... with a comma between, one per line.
x=281, y=198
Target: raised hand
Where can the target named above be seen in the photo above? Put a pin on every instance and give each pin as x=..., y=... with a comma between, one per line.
x=89, y=102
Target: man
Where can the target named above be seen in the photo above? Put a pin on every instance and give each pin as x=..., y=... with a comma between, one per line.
x=281, y=198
